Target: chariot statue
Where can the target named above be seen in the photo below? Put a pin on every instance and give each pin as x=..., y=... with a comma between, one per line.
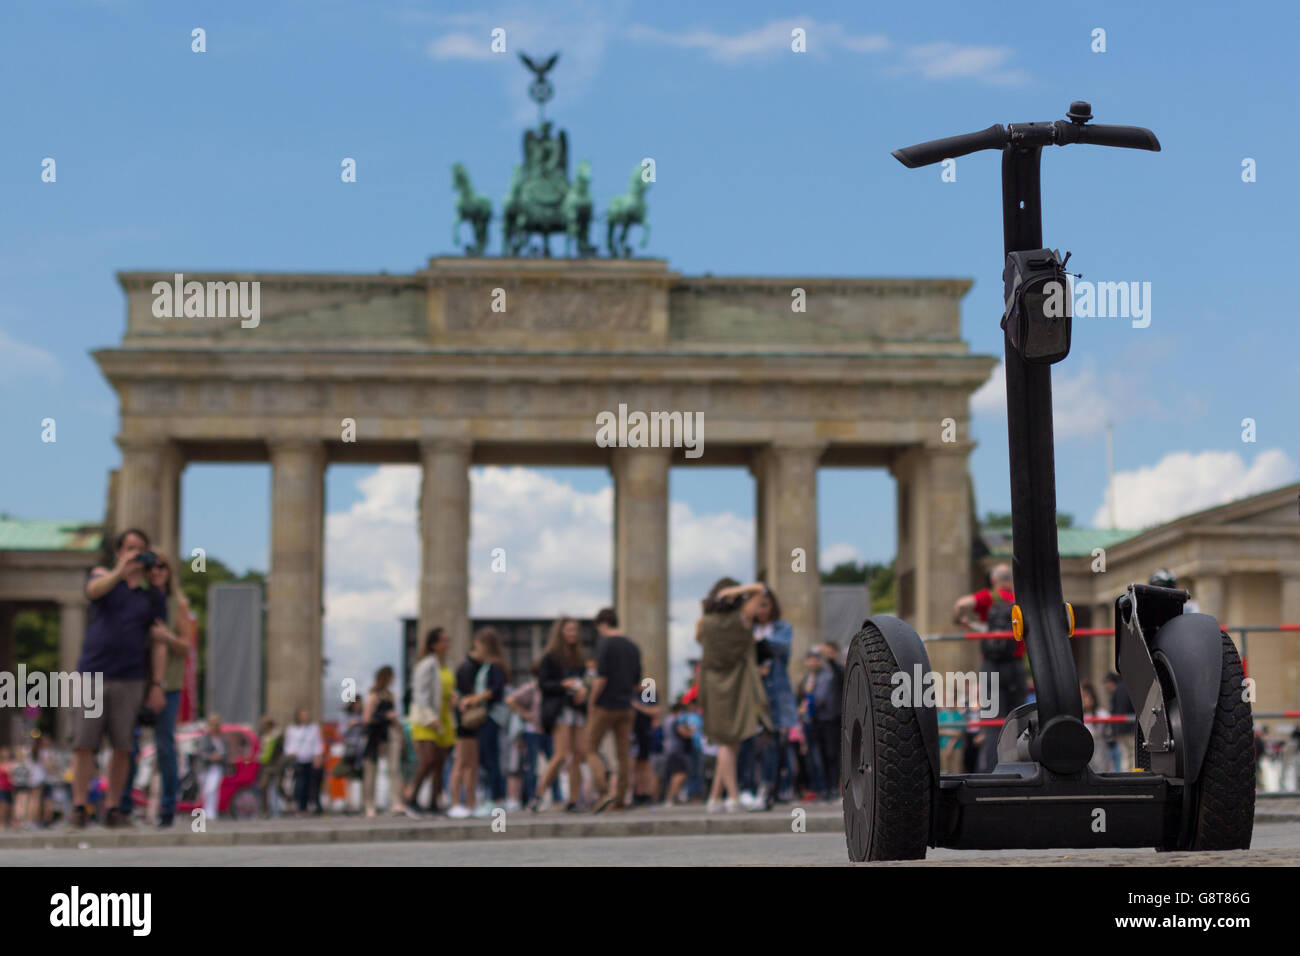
x=541, y=200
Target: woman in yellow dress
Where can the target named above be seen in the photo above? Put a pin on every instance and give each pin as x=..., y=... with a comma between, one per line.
x=433, y=727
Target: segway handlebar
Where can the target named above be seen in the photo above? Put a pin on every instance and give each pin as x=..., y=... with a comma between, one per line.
x=1059, y=133
x=923, y=154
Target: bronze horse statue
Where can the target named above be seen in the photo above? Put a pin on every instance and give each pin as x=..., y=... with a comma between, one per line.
x=471, y=207
x=626, y=211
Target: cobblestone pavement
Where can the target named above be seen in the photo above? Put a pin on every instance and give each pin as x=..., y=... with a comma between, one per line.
x=1274, y=845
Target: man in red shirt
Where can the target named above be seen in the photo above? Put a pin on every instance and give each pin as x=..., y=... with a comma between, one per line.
x=972, y=611
x=1001, y=666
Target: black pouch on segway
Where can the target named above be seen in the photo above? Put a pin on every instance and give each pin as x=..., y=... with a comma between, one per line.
x=999, y=649
x=1038, y=312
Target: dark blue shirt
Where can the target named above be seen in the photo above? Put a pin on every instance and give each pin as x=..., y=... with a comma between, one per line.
x=117, y=634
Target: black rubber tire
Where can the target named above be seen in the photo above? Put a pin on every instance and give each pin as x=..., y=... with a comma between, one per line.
x=885, y=778
x=1223, y=798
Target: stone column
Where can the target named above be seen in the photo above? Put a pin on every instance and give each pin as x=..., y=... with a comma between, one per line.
x=760, y=518
x=293, y=620
x=641, y=554
x=1208, y=592
x=72, y=632
x=140, y=486
x=788, y=475
x=1289, y=659
x=444, y=541
x=938, y=544
x=168, y=533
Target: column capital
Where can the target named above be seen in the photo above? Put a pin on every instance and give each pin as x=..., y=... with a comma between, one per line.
x=963, y=448
x=446, y=445
x=293, y=445
x=141, y=443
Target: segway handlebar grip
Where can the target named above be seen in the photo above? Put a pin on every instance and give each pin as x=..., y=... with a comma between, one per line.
x=1128, y=137
x=937, y=150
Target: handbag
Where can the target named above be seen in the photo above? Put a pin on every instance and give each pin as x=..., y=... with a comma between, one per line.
x=422, y=715
x=472, y=718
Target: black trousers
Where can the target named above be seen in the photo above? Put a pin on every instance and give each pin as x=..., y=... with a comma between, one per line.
x=828, y=745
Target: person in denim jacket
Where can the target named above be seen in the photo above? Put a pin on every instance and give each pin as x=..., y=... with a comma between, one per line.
x=773, y=638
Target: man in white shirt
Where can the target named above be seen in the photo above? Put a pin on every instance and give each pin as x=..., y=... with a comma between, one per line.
x=304, y=747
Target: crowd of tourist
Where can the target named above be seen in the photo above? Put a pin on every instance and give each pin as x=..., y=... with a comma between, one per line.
x=580, y=730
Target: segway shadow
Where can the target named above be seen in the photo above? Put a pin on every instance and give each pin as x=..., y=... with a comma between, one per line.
x=1194, y=741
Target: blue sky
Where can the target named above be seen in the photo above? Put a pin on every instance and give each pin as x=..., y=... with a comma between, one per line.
x=768, y=163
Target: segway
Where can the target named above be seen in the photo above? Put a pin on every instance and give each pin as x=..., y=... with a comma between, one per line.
x=1193, y=734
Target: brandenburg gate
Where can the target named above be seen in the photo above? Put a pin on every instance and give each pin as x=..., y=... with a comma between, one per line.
x=479, y=360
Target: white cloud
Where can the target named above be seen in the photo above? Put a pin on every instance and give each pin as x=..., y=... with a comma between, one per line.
x=1082, y=402
x=840, y=553
x=558, y=544
x=462, y=46
x=954, y=61
x=772, y=38
x=19, y=361
x=932, y=61
x=1183, y=482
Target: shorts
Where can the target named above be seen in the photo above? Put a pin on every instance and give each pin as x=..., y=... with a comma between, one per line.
x=678, y=762
x=6, y=797
x=122, y=699
x=571, y=717
x=642, y=735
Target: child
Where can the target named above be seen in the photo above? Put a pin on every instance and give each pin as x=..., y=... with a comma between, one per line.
x=212, y=758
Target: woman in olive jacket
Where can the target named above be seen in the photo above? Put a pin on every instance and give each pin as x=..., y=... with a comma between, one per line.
x=731, y=691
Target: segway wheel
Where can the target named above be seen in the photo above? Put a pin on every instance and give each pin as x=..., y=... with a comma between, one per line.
x=884, y=774
x=1222, y=800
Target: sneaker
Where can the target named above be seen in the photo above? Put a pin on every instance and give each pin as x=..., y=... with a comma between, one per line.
x=405, y=810
x=571, y=808
x=482, y=811
x=715, y=806
x=513, y=805
x=747, y=799
x=165, y=821
x=535, y=805
x=731, y=806
x=78, y=819
x=458, y=812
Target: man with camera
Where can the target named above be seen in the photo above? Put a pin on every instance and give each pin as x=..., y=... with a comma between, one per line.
x=124, y=633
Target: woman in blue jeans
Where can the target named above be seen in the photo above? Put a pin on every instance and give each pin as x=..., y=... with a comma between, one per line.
x=180, y=642
x=773, y=638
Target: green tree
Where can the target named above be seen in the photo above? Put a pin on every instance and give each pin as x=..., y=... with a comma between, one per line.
x=879, y=579
x=36, y=645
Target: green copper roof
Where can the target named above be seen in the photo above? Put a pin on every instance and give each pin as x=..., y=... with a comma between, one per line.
x=45, y=535
x=1070, y=542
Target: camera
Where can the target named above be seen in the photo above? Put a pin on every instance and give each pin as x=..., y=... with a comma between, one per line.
x=147, y=559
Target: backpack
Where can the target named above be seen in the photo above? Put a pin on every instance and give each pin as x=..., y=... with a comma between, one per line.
x=999, y=649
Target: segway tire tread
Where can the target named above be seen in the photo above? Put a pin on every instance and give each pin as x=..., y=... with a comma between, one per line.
x=1225, y=806
x=901, y=818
